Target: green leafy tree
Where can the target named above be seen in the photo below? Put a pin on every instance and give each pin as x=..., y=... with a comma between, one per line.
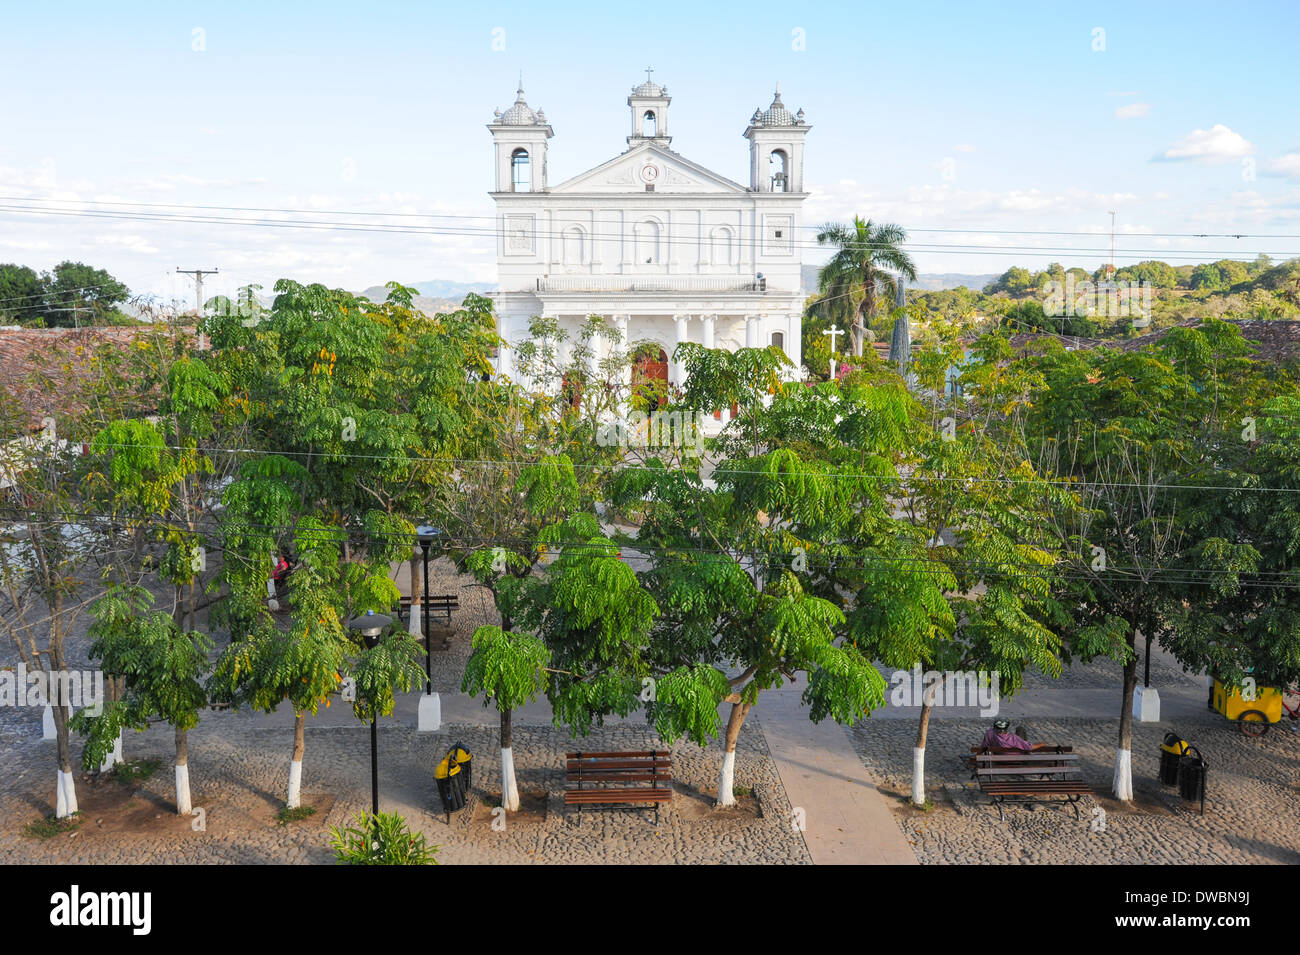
x=162, y=667
x=52, y=551
x=734, y=618
x=1014, y=281
x=1129, y=428
x=1207, y=276
x=857, y=275
x=509, y=670
x=77, y=293
x=22, y=295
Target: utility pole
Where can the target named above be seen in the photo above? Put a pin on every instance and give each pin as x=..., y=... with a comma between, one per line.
x=198, y=292
x=1111, y=270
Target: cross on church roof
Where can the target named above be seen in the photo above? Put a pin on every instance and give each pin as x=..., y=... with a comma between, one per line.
x=648, y=71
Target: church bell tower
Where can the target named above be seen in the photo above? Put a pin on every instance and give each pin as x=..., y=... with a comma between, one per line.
x=649, y=103
x=776, y=148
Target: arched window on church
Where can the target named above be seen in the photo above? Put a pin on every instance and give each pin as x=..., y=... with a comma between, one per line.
x=779, y=167
x=575, y=242
x=646, y=234
x=649, y=124
x=722, y=246
x=521, y=176
x=778, y=339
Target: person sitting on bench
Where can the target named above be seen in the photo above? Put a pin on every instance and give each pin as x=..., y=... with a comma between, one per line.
x=999, y=736
x=280, y=575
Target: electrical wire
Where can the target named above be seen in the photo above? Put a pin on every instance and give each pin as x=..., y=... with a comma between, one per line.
x=495, y=232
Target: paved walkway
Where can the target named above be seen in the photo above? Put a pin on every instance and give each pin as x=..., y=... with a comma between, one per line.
x=847, y=821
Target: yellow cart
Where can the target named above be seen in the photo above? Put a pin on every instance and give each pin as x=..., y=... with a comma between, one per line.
x=1253, y=717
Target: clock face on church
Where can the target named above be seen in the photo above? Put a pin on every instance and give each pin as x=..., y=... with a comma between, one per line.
x=649, y=173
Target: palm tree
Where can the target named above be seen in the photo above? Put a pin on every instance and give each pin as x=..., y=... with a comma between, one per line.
x=858, y=271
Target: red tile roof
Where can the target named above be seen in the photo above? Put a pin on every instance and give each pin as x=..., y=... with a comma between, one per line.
x=37, y=363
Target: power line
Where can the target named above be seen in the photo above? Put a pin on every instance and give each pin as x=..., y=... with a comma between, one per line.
x=436, y=215
x=494, y=233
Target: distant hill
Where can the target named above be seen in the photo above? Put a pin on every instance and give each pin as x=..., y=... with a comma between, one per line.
x=925, y=283
x=943, y=280
x=436, y=297
x=441, y=288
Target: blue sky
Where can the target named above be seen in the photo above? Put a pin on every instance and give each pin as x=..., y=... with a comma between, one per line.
x=1009, y=116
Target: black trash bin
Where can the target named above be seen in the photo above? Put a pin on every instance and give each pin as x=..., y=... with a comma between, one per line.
x=1172, y=752
x=464, y=759
x=1193, y=772
x=450, y=779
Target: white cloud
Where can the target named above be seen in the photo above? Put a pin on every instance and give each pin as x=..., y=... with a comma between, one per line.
x=964, y=148
x=132, y=243
x=1216, y=144
x=1287, y=166
x=1132, y=111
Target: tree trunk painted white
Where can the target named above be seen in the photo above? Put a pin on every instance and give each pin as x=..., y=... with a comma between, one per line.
x=114, y=755
x=918, y=751
x=509, y=785
x=65, y=800
x=294, y=795
x=1123, y=782
x=183, y=805
x=727, y=780
x=918, y=776
x=417, y=593
x=727, y=776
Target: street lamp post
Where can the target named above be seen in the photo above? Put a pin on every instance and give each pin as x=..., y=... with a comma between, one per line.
x=370, y=625
x=429, y=718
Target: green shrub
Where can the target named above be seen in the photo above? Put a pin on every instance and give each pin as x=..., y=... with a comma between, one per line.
x=49, y=827
x=384, y=839
x=135, y=770
x=297, y=814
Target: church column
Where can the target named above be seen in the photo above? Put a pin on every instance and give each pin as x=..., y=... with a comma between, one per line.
x=622, y=322
x=751, y=331
x=593, y=360
x=678, y=373
x=710, y=326
x=505, y=357
x=794, y=345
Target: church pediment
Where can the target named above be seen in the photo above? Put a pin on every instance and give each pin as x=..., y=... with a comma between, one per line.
x=645, y=166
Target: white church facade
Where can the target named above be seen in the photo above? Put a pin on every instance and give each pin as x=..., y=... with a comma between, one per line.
x=667, y=250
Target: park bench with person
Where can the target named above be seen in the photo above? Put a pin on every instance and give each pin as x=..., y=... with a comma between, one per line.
x=1031, y=777
x=1004, y=751
x=632, y=780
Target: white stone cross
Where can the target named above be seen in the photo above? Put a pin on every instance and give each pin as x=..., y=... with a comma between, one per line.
x=834, y=332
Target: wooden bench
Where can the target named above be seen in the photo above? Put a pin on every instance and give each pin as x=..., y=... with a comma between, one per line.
x=440, y=604
x=1031, y=777
x=618, y=780
x=1011, y=751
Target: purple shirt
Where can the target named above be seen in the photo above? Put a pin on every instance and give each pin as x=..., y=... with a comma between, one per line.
x=1006, y=740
